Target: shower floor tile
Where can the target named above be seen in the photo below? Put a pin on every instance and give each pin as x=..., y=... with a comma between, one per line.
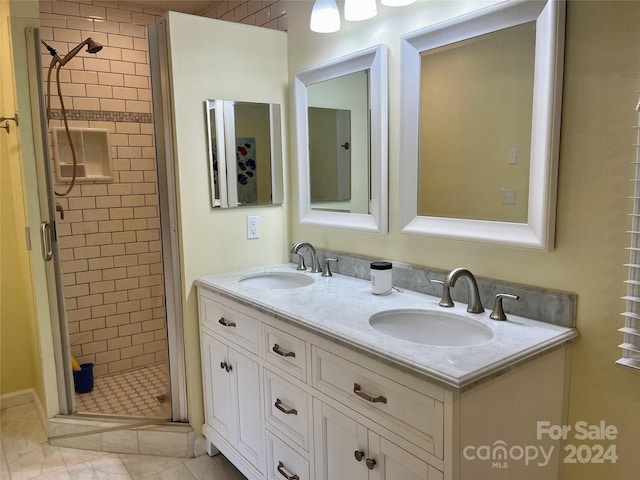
x=143, y=392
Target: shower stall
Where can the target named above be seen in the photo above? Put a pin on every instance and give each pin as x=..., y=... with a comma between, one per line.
x=109, y=196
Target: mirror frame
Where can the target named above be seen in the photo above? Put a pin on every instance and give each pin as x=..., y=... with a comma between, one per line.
x=539, y=232
x=373, y=59
x=226, y=140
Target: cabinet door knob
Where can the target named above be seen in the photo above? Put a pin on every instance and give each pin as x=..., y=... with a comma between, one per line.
x=285, y=410
x=283, y=353
x=226, y=323
x=371, y=463
x=357, y=389
x=285, y=474
x=226, y=366
x=359, y=454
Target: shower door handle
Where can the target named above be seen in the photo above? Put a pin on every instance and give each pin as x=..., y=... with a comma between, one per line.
x=45, y=241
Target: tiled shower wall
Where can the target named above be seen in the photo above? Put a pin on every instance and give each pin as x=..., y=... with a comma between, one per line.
x=265, y=13
x=110, y=236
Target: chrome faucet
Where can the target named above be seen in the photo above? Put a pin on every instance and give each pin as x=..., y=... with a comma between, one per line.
x=474, y=305
x=315, y=264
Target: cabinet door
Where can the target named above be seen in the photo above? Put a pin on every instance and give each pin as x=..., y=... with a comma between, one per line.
x=250, y=427
x=339, y=442
x=220, y=405
x=392, y=462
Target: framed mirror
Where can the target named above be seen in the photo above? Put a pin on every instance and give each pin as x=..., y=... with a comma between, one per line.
x=245, y=153
x=481, y=99
x=341, y=110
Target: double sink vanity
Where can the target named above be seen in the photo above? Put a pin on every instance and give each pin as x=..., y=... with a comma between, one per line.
x=309, y=377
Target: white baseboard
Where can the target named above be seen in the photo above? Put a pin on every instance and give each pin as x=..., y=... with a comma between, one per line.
x=22, y=397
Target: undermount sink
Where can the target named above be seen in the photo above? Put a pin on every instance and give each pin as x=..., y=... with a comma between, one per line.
x=428, y=327
x=276, y=280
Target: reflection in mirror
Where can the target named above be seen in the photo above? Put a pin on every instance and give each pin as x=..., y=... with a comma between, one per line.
x=341, y=128
x=479, y=149
x=339, y=143
x=250, y=173
x=475, y=117
x=329, y=156
x=213, y=139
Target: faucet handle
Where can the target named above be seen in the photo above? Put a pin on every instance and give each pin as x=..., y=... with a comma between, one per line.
x=301, y=264
x=498, y=311
x=326, y=270
x=446, y=294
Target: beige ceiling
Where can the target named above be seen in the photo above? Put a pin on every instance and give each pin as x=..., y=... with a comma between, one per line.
x=194, y=7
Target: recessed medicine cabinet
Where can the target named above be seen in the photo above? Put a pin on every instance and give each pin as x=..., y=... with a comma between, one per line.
x=342, y=142
x=480, y=117
x=245, y=153
x=93, y=154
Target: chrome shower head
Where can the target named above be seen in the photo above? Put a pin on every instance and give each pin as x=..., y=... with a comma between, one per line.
x=92, y=47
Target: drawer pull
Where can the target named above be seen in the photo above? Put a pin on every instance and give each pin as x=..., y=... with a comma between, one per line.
x=359, y=454
x=371, y=463
x=285, y=474
x=226, y=323
x=226, y=366
x=285, y=410
x=283, y=353
x=358, y=391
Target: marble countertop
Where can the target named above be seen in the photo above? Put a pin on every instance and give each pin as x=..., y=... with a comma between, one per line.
x=340, y=307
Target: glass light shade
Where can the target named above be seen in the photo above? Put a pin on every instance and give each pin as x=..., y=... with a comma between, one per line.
x=355, y=10
x=325, y=17
x=397, y=3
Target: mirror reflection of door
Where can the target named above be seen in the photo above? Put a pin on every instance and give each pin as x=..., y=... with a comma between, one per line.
x=337, y=114
x=330, y=154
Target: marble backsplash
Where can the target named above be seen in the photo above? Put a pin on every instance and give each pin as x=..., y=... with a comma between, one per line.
x=558, y=308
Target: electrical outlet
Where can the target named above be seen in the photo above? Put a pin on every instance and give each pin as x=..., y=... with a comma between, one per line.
x=253, y=227
x=508, y=196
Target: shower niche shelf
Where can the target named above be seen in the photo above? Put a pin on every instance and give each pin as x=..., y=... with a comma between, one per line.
x=93, y=155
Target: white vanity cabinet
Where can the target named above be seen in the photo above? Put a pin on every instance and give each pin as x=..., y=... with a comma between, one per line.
x=231, y=383
x=347, y=449
x=284, y=402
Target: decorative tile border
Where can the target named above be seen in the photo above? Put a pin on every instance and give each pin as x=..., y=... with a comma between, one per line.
x=102, y=116
x=558, y=308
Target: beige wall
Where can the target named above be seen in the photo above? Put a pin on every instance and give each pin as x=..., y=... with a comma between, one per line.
x=598, y=110
x=215, y=240
x=19, y=359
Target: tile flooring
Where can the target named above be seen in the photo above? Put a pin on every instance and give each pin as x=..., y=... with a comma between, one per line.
x=26, y=455
x=142, y=392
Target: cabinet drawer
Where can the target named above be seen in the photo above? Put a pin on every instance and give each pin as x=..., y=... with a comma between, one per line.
x=420, y=417
x=283, y=462
x=287, y=409
x=237, y=326
x=286, y=351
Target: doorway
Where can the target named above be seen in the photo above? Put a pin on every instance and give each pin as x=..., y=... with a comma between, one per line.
x=118, y=315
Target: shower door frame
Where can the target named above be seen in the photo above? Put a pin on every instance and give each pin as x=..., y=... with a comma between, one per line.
x=168, y=225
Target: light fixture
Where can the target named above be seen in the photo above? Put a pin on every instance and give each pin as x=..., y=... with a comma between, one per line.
x=355, y=10
x=325, y=17
x=397, y=3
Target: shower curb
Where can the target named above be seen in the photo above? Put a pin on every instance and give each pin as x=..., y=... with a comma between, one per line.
x=139, y=436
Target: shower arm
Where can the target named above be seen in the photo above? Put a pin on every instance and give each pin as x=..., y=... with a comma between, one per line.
x=73, y=52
